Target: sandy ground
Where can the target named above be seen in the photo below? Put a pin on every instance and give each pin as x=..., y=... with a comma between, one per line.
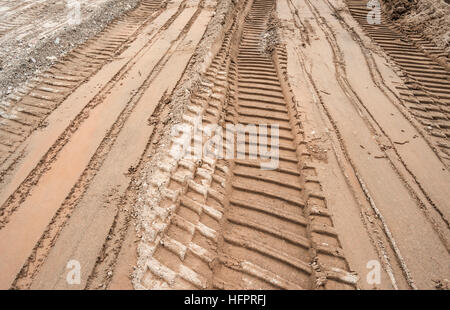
x=358, y=199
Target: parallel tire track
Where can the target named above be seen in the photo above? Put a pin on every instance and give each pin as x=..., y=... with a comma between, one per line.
x=25, y=111
x=48, y=239
x=20, y=193
x=180, y=238
x=31, y=267
x=427, y=81
x=292, y=243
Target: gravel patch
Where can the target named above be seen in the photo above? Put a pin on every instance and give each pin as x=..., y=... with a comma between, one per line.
x=22, y=59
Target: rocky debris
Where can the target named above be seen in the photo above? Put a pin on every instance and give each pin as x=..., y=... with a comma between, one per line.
x=270, y=38
x=398, y=8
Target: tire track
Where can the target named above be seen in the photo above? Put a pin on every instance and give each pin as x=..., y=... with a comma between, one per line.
x=20, y=22
x=101, y=276
x=352, y=96
x=115, y=262
x=228, y=224
x=423, y=201
x=178, y=177
x=416, y=189
x=354, y=182
x=310, y=246
x=26, y=111
x=399, y=161
x=163, y=77
x=181, y=19
x=19, y=193
x=40, y=252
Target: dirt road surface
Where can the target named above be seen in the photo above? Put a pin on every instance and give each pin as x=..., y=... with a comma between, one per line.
x=358, y=112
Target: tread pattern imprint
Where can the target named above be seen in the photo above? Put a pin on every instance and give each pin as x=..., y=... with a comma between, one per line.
x=424, y=68
x=227, y=224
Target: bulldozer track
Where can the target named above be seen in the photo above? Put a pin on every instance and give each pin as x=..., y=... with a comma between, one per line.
x=229, y=224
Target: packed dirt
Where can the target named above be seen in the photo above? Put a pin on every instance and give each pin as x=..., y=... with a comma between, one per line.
x=342, y=181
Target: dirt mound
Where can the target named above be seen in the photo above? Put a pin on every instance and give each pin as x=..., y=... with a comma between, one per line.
x=25, y=51
x=399, y=8
x=428, y=17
